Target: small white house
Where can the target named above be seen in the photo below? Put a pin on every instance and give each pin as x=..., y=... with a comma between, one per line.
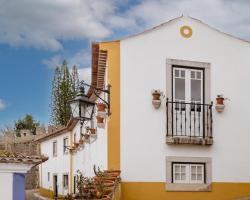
x=13, y=168
x=67, y=156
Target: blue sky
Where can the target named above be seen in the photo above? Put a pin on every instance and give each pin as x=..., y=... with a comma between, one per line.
x=35, y=36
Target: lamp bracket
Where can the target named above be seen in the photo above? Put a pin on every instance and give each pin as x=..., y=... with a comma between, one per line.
x=96, y=90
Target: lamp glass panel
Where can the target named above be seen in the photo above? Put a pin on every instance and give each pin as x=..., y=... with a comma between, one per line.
x=74, y=106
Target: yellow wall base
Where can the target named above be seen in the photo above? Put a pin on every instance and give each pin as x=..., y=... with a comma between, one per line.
x=46, y=193
x=156, y=191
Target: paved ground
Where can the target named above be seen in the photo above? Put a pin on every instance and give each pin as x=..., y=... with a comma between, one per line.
x=34, y=195
x=30, y=195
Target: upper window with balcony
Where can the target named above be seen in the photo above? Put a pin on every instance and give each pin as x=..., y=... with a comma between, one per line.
x=189, y=117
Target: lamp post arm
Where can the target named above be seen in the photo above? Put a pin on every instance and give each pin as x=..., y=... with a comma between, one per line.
x=95, y=89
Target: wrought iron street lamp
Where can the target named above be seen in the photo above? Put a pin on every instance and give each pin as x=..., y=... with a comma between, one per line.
x=82, y=108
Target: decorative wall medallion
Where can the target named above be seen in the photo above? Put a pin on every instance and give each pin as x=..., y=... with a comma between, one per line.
x=186, y=31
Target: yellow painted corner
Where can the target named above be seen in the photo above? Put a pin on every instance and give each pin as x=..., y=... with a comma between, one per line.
x=156, y=191
x=113, y=63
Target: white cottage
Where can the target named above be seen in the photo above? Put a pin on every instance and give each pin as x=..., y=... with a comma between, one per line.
x=178, y=127
x=13, y=169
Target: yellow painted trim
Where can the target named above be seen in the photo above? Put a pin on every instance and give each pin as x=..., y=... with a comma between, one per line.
x=187, y=34
x=113, y=62
x=156, y=190
x=46, y=193
x=71, y=165
x=41, y=175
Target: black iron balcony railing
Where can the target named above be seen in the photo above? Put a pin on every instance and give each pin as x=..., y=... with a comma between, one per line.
x=194, y=120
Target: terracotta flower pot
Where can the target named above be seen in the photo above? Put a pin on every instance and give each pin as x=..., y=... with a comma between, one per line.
x=220, y=100
x=156, y=95
x=76, y=145
x=81, y=141
x=86, y=136
x=101, y=107
x=92, y=131
x=99, y=119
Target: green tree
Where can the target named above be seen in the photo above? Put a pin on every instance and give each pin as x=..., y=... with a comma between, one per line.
x=75, y=80
x=27, y=122
x=64, y=88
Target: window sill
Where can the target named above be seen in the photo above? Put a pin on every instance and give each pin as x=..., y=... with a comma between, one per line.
x=188, y=187
x=189, y=140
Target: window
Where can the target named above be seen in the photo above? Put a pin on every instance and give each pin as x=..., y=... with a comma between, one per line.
x=48, y=176
x=188, y=173
x=65, y=181
x=54, y=148
x=65, y=144
x=74, y=137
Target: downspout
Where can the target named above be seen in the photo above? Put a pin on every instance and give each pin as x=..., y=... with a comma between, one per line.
x=71, y=164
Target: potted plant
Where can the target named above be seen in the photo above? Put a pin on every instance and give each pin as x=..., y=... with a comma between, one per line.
x=92, y=131
x=156, y=101
x=156, y=94
x=220, y=103
x=101, y=107
x=100, y=121
x=81, y=141
x=220, y=99
x=76, y=145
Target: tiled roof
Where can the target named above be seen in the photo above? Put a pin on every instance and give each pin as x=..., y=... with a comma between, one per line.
x=71, y=124
x=99, y=64
x=9, y=157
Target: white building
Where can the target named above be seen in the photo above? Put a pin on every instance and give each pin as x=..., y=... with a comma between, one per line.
x=13, y=169
x=188, y=148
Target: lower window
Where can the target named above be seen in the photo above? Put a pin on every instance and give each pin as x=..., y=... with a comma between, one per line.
x=188, y=173
x=65, y=181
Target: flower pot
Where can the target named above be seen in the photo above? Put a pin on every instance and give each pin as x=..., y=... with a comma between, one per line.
x=220, y=100
x=156, y=95
x=101, y=107
x=99, y=119
x=76, y=145
x=220, y=103
x=81, y=141
x=92, y=131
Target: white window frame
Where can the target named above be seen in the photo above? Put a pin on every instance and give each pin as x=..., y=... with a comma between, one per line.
x=205, y=185
x=188, y=81
x=54, y=148
x=65, y=145
x=187, y=172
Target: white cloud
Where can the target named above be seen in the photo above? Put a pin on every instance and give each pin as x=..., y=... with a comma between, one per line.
x=227, y=15
x=45, y=23
x=2, y=104
x=81, y=59
x=85, y=74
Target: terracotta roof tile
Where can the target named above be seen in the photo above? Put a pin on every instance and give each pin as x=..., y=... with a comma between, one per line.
x=10, y=157
x=71, y=124
x=99, y=64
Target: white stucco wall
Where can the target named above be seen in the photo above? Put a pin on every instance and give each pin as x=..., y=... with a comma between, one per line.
x=6, y=178
x=6, y=185
x=94, y=153
x=58, y=165
x=143, y=128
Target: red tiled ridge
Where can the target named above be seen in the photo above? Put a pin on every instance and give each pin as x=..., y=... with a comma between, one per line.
x=9, y=157
x=99, y=64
